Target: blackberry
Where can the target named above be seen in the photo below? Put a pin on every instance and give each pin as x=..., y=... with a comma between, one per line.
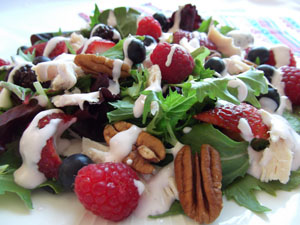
x=25, y=77
x=106, y=32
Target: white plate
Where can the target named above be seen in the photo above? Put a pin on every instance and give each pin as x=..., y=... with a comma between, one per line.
x=18, y=20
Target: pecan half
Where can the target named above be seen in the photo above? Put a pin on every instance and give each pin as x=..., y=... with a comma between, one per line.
x=94, y=64
x=198, y=179
x=146, y=149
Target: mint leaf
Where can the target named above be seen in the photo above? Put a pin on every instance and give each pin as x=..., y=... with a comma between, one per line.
x=204, y=26
x=234, y=155
x=123, y=111
x=243, y=190
x=7, y=184
x=95, y=18
x=17, y=90
x=175, y=209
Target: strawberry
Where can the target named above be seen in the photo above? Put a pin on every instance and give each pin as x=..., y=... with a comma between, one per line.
x=149, y=26
x=99, y=46
x=39, y=49
x=272, y=60
x=59, y=49
x=3, y=62
x=175, y=63
x=291, y=79
x=50, y=160
x=228, y=117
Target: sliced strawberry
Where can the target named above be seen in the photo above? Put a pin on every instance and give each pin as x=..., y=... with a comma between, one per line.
x=50, y=160
x=59, y=49
x=3, y=62
x=272, y=60
x=99, y=46
x=228, y=117
x=46, y=119
x=39, y=49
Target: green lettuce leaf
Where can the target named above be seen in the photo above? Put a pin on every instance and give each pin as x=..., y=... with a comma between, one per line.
x=115, y=52
x=95, y=17
x=234, y=155
x=243, y=190
x=293, y=119
x=7, y=184
x=123, y=111
x=18, y=90
x=199, y=56
x=126, y=20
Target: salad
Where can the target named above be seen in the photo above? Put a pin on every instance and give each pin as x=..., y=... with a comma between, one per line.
x=150, y=116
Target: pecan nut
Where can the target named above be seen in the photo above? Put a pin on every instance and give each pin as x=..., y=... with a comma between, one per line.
x=198, y=179
x=146, y=149
x=94, y=64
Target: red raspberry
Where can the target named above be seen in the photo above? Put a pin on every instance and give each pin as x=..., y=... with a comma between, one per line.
x=107, y=189
x=149, y=26
x=228, y=117
x=181, y=62
x=291, y=79
x=272, y=60
x=202, y=37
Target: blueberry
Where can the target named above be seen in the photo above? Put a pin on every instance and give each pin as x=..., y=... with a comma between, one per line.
x=215, y=63
x=261, y=53
x=69, y=169
x=259, y=144
x=149, y=40
x=163, y=21
x=136, y=51
x=270, y=100
x=268, y=71
x=40, y=59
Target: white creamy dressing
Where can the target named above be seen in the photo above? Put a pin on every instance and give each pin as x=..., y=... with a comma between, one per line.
x=111, y=20
x=62, y=72
x=241, y=87
x=154, y=84
x=235, y=65
x=191, y=45
x=171, y=53
x=125, y=50
x=139, y=185
x=177, y=19
x=283, y=154
x=166, y=37
x=28, y=175
x=268, y=104
x=114, y=86
x=75, y=99
x=88, y=42
x=245, y=129
x=76, y=41
x=281, y=55
x=187, y=130
x=42, y=100
x=51, y=44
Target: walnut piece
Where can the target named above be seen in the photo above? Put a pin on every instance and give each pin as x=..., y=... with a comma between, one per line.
x=198, y=179
x=146, y=149
x=94, y=64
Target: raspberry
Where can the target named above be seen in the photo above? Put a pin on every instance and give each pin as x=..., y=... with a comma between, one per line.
x=175, y=63
x=291, y=79
x=107, y=189
x=149, y=26
x=202, y=37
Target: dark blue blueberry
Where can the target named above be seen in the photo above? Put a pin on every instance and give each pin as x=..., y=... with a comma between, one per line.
x=215, y=63
x=163, y=21
x=272, y=95
x=259, y=53
x=69, y=168
x=40, y=59
x=136, y=51
x=268, y=71
x=149, y=40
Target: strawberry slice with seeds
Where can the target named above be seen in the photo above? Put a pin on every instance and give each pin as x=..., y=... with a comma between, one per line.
x=59, y=49
x=50, y=160
x=99, y=46
x=39, y=49
x=228, y=116
x=3, y=62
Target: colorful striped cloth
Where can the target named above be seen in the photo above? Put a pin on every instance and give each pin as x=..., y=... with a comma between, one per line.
x=266, y=30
